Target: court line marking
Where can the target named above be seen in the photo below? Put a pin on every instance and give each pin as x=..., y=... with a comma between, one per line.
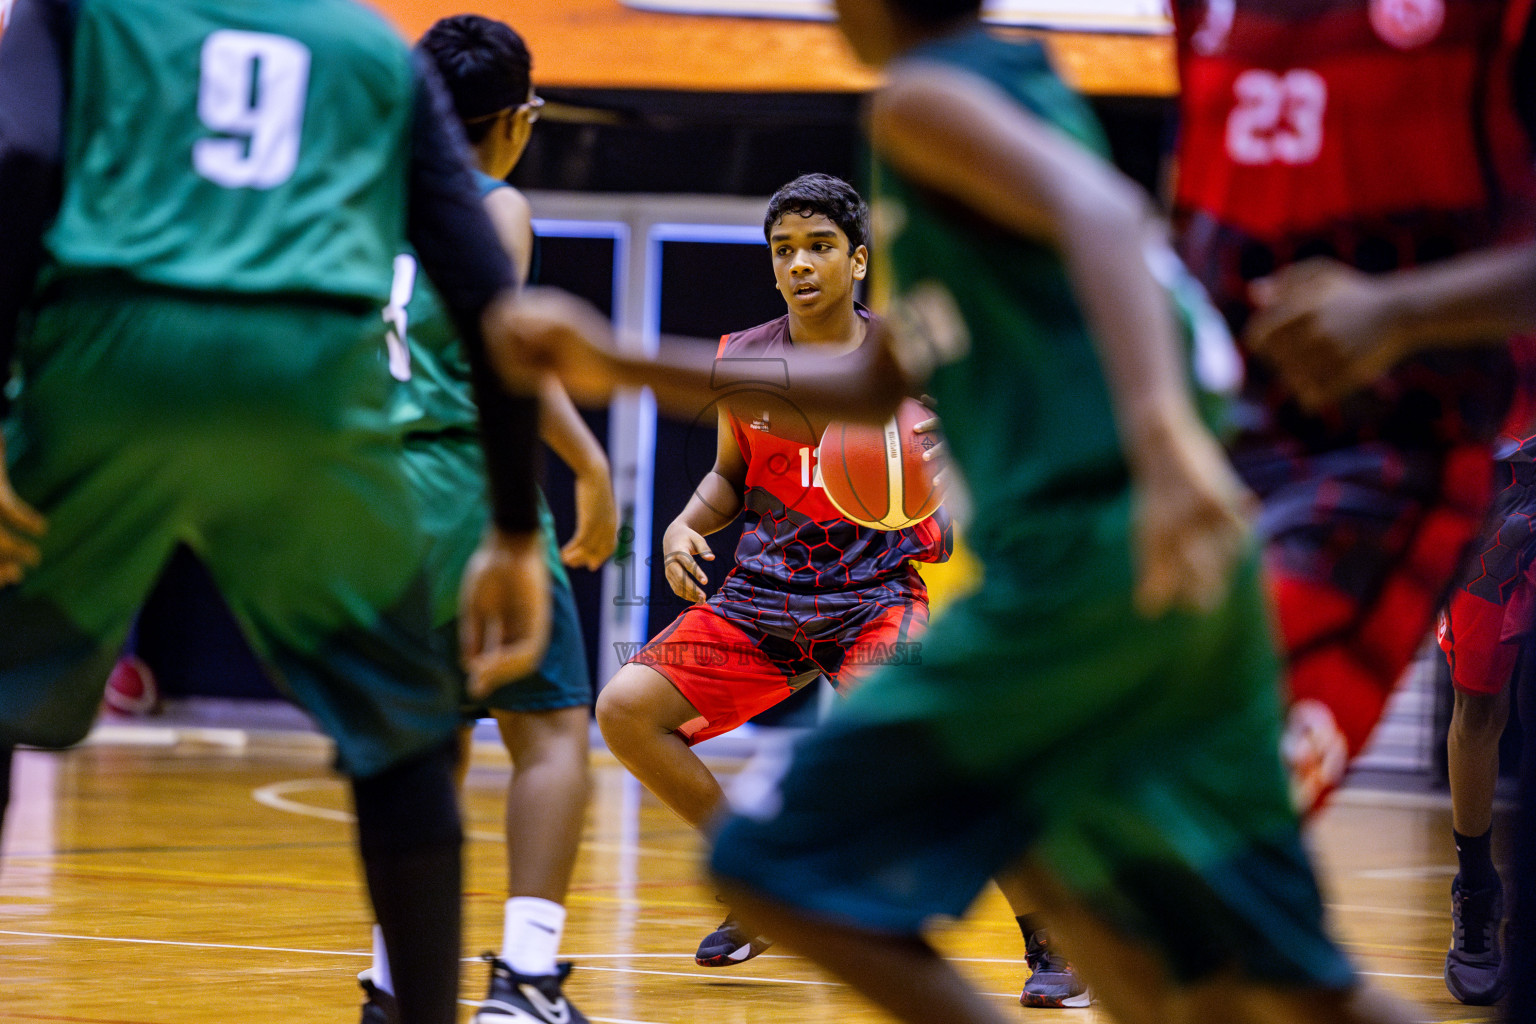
x=272, y=949
x=1424, y=872
x=467, y=960
x=275, y=796
x=189, y=945
x=575, y=956
x=1349, y=908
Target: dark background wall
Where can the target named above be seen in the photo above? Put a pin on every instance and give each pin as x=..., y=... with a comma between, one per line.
x=749, y=144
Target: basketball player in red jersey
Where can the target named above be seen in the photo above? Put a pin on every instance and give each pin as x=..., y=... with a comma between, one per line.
x=812, y=594
x=1329, y=328
x=1382, y=133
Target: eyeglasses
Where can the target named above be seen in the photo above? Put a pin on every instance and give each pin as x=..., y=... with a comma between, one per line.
x=532, y=109
x=529, y=110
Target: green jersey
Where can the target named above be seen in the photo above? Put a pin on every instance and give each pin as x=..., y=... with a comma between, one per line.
x=425, y=353
x=1018, y=384
x=267, y=152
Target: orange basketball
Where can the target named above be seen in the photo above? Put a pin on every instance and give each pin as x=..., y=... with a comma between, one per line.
x=876, y=476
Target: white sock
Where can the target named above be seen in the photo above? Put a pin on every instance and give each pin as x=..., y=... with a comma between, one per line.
x=380, y=970
x=531, y=936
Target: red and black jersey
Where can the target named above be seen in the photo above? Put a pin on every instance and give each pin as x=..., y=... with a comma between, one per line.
x=1383, y=133
x=1517, y=441
x=795, y=539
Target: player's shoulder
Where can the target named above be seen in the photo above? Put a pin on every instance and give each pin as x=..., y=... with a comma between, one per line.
x=346, y=30
x=488, y=183
x=764, y=337
x=363, y=17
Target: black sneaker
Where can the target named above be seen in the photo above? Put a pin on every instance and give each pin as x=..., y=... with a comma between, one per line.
x=379, y=1007
x=1052, y=983
x=525, y=998
x=729, y=945
x=1473, y=971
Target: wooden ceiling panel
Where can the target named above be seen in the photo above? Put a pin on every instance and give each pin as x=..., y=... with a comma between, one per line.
x=600, y=44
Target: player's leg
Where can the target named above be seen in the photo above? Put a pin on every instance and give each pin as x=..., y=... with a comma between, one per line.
x=1480, y=633
x=851, y=872
x=318, y=547
x=1135, y=986
x=114, y=499
x=546, y=800
x=1521, y=962
x=701, y=677
x=1053, y=982
x=640, y=713
x=409, y=836
x=1473, y=965
x=377, y=981
x=1472, y=753
x=545, y=809
x=1361, y=544
x=902, y=974
x=889, y=631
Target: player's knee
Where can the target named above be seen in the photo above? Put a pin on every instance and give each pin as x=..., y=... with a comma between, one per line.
x=624, y=708
x=1479, y=716
x=553, y=739
x=619, y=715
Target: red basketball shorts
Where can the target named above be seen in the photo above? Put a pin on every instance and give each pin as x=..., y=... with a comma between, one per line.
x=731, y=667
x=1494, y=606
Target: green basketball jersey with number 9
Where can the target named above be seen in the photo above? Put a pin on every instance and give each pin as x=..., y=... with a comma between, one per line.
x=245, y=154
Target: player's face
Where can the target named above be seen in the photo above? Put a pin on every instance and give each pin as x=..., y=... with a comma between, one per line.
x=812, y=266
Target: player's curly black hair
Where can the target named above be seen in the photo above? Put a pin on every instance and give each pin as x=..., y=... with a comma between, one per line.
x=936, y=12
x=827, y=195
x=485, y=65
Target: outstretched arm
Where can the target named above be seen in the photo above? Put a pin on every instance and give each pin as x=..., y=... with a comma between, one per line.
x=561, y=333
x=1331, y=329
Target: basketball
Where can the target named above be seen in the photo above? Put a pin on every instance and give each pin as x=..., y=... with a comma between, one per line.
x=876, y=476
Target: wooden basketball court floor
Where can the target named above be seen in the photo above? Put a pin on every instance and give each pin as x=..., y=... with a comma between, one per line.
x=186, y=876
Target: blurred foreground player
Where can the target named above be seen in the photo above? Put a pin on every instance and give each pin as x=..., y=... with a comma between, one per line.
x=1383, y=133
x=1104, y=709
x=197, y=353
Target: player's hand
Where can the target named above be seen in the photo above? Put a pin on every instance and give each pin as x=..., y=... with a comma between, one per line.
x=1326, y=327
x=597, y=522
x=503, y=610
x=682, y=548
x=20, y=526
x=553, y=331
x=1191, y=517
x=937, y=450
